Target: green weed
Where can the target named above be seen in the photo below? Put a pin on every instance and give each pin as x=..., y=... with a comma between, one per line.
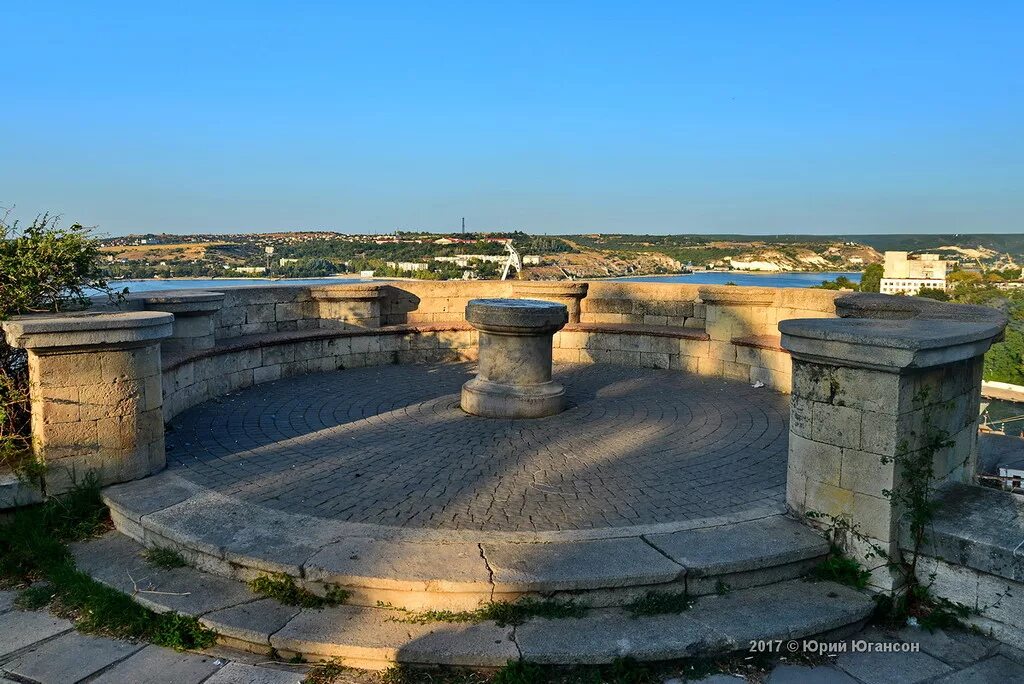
x=660, y=603
x=33, y=550
x=283, y=589
x=502, y=612
x=842, y=570
x=164, y=558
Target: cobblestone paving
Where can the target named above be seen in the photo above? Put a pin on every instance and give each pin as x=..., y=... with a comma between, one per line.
x=389, y=445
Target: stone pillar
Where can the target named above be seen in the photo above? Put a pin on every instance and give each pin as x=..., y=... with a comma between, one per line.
x=95, y=386
x=514, y=376
x=867, y=395
x=567, y=292
x=347, y=306
x=732, y=312
x=194, y=318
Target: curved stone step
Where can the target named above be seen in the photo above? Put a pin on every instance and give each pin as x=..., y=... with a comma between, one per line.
x=377, y=637
x=417, y=569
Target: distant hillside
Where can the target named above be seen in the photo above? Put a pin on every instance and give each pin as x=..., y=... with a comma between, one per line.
x=809, y=251
x=1007, y=244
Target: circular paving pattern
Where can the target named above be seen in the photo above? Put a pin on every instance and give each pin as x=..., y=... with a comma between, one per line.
x=390, y=446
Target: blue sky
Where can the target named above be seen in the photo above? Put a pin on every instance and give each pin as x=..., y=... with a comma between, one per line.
x=560, y=117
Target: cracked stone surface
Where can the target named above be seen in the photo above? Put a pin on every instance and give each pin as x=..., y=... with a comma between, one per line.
x=390, y=446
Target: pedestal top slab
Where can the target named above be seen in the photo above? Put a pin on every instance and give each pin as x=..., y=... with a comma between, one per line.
x=87, y=329
x=526, y=315
x=346, y=292
x=884, y=344
x=184, y=301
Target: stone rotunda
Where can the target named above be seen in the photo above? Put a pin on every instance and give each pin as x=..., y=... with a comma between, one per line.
x=423, y=447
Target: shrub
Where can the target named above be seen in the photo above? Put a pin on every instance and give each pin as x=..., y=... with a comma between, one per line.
x=44, y=267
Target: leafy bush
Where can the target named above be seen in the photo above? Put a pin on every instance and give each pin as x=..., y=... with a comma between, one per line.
x=44, y=267
x=871, y=279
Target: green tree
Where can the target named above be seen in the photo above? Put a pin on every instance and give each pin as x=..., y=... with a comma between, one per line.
x=934, y=293
x=44, y=267
x=871, y=280
x=1004, y=362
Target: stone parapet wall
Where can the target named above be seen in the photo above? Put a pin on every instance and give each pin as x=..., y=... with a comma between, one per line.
x=414, y=302
x=639, y=303
x=265, y=309
x=248, y=361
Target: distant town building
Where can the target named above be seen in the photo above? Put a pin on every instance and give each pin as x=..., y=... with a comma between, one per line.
x=251, y=269
x=285, y=262
x=464, y=260
x=856, y=260
x=531, y=260
x=408, y=265
x=1012, y=474
x=905, y=274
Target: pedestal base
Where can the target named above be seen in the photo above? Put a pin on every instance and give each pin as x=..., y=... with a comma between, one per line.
x=493, y=400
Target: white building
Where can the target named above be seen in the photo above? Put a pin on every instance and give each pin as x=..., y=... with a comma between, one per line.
x=909, y=275
x=408, y=265
x=464, y=260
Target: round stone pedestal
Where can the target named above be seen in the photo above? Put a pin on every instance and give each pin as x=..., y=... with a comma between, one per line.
x=514, y=376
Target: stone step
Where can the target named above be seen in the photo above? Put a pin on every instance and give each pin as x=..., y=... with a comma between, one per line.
x=374, y=637
x=457, y=569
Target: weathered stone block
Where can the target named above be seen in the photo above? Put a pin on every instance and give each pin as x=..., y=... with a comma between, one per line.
x=260, y=313
x=65, y=370
x=735, y=371
x=289, y=312
x=800, y=416
x=839, y=425
x=278, y=354
x=266, y=374
x=864, y=472
x=724, y=351
x=709, y=366
x=56, y=404
x=565, y=355
x=654, y=360
x=815, y=460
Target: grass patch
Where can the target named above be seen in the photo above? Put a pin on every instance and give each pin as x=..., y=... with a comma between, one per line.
x=409, y=674
x=34, y=552
x=34, y=539
x=501, y=612
x=931, y=612
x=519, y=672
x=660, y=603
x=842, y=570
x=283, y=589
x=620, y=671
x=164, y=558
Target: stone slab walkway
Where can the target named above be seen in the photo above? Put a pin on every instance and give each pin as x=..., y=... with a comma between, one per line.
x=39, y=648
x=390, y=446
x=36, y=647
